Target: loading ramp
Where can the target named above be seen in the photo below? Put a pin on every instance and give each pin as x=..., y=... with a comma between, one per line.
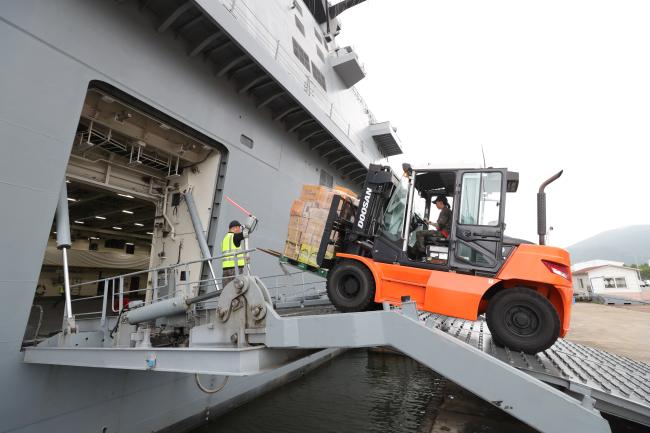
x=562, y=389
x=618, y=385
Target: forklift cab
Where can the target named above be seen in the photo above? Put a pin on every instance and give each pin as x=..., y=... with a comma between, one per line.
x=477, y=200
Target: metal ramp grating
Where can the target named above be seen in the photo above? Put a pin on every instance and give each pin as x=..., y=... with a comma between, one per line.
x=620, y=385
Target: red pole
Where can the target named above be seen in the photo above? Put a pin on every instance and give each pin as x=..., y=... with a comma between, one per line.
x=239, y=207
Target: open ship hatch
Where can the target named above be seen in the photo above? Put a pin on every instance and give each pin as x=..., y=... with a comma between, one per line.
x=126, y=177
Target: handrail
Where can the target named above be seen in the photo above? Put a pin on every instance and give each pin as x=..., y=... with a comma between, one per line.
x=160, y=268
x=122, y=292
x=117, y=287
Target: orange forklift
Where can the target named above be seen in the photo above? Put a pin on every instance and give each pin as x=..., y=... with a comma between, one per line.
x=523, y=289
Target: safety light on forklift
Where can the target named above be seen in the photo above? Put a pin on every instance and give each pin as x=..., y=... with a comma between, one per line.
x=558, y=269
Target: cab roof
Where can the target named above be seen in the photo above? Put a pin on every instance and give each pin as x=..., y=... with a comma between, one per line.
x=432, y=181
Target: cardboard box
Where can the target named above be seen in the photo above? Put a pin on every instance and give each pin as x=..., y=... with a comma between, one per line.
x=298, y=223
x=291, y=250
x=294, y=235
x=325, y=197
x=297, y=208
x=345, y=192
x=309, y=205
x=308, y=254
x=313, y=238
x=307, y=220
x=315, y=228
x=318, y=214
x=310, y=192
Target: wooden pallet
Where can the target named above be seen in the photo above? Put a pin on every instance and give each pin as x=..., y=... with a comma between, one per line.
x=321, y=272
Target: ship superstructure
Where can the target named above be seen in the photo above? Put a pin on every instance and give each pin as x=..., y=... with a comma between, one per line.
x=140, y=124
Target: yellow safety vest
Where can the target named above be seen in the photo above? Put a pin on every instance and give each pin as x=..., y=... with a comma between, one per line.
x=227, y=246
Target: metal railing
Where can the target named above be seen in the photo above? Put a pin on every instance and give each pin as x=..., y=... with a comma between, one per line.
x=241, y=11
x=167, y=281
x=157, y=279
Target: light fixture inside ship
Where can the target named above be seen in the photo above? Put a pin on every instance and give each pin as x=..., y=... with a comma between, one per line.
x=124, y=195
x=117, y=228
x=122, y=116
x=72, y=199
x=79, y=222
x=127, y=212
x=100, y=217
x=138, y=224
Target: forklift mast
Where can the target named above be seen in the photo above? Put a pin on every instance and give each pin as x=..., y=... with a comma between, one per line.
x=378, y=188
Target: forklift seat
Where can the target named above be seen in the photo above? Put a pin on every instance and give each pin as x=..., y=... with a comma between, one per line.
x=436, y=240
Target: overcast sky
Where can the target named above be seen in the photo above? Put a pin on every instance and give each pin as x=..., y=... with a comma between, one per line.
x=543, y=86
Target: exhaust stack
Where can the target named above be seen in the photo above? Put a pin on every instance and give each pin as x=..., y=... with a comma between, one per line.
x=541, y=207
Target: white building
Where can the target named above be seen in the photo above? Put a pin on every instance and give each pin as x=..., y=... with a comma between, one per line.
x=600, y=277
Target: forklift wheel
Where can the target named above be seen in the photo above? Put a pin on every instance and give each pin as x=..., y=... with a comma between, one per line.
x=351, y=286
x=523, y=320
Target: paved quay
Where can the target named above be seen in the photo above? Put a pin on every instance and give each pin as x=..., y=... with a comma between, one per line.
x=621, y=330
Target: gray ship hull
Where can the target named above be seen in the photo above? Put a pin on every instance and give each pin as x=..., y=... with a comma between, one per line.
x=59, y=399
x=51, y=52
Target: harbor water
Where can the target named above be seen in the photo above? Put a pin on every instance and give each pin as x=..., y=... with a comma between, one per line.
x=359, y=391
x=374, y=391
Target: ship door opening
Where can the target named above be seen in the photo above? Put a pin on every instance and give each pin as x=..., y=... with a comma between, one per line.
x=125, y=180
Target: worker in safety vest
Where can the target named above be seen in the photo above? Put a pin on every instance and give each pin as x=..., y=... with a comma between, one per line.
x=232, y=243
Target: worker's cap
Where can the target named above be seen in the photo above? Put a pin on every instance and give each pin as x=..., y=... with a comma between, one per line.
x=441, y=198
x=234, y=223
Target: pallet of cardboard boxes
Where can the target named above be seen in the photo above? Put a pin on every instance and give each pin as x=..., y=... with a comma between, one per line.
x=307, y=220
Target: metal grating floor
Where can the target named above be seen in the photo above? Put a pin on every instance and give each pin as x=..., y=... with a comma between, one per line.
x=619, y=385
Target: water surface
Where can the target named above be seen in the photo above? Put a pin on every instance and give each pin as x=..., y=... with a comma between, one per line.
x=359, y=391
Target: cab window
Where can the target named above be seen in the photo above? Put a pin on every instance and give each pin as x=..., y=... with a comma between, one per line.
x=393, y=221
x=480, y=199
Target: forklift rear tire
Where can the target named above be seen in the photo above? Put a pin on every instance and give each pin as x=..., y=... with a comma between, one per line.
x=351, y=286
x=522, y=320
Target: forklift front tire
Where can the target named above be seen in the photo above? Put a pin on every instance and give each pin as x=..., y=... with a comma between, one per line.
x=523, y=320
x=351, y=286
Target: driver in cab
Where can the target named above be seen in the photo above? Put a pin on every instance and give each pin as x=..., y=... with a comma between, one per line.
x=442, y=225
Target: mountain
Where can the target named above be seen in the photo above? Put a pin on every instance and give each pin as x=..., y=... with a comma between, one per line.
x=628, y=244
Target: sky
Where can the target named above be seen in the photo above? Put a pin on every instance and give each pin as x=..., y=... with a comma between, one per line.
x=542, y=86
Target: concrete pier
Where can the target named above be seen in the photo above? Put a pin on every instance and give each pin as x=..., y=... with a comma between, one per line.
x=623, y=330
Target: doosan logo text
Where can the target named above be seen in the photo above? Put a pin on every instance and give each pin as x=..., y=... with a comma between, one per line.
x=364, y=208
